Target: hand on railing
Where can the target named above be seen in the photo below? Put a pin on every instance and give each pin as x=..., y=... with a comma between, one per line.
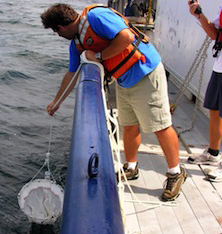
x=89, y=56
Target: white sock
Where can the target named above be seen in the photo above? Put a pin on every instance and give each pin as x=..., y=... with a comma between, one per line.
x=174, y=170
x=132, y=165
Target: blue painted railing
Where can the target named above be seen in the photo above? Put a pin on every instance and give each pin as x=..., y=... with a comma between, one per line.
x=91, y=203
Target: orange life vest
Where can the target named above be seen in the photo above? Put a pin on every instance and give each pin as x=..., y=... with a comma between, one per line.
x=87, y=39
x=218, y=43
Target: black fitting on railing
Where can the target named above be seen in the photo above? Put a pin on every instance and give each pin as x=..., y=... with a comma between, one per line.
x=93, y=165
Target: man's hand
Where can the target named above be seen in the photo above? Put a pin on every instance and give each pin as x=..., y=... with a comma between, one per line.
x=90, y=55
x=194, y=7
x=62, y=93
x=51, y=111
x=117, y=45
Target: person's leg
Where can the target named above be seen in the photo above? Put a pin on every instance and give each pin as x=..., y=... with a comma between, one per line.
x=215, y=130
x=161, y=124
x=176, y=175
x=131, y=133
x=131, y=140
x=169, y=143
x=213, y=102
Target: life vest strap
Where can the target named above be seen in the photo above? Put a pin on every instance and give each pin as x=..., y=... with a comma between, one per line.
x=144, y=37
x=76, y=38
x=218, y=42
x=141, y=37
x=110, y=73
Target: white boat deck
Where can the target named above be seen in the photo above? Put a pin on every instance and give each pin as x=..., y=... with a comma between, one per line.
x=199, y=208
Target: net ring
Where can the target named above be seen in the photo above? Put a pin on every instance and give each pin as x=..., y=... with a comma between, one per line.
x=41, y=200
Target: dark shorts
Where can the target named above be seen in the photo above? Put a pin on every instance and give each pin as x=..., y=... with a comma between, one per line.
x=213, y=97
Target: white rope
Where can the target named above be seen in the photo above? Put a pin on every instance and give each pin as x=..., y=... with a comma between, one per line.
x=82, y=61
x=48, y=174
x=67, y=87
x=115, y=145
x=116, y=149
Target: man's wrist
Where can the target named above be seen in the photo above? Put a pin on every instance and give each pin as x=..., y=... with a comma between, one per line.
x=198, y=16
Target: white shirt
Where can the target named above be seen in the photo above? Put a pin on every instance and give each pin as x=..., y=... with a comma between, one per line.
x=218, y=60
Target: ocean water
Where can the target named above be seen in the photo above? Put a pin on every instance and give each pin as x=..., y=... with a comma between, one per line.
x=33, y=61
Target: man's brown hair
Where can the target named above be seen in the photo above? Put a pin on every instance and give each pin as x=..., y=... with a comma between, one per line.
x=58, y=14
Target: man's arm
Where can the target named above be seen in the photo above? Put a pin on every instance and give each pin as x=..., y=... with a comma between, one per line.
x=208, y=27
x=51, y=108
x=120, y=43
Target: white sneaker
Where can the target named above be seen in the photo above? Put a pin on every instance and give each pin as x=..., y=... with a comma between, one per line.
x=216, y=175
x=205, y=159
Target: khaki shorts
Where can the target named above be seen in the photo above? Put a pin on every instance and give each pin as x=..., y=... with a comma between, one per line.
x=146, y=103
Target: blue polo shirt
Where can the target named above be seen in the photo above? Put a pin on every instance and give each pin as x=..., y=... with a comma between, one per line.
x=107, y=24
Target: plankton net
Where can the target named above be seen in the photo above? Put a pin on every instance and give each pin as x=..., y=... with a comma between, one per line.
x=42, y=199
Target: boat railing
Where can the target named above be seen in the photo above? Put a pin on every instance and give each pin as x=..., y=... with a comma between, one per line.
x=91, y=203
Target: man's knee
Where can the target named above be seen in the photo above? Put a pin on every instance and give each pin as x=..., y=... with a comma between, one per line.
x=163, y=130
x=131, y=129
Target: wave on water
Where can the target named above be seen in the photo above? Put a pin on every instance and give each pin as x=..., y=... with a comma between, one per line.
x=9, y=76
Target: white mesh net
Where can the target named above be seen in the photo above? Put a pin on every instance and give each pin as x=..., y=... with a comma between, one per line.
x=41, y=200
